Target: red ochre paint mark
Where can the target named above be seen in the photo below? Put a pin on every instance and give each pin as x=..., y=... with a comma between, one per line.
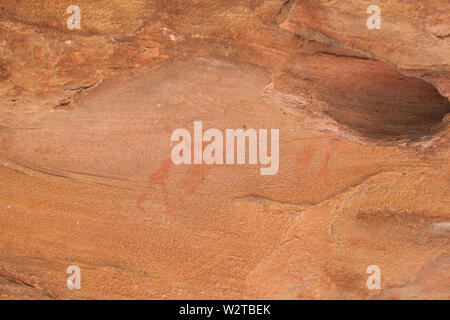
x=191, y=181
x=184, y=101
x=160, y=177
x=334, y=145
x=304, y=159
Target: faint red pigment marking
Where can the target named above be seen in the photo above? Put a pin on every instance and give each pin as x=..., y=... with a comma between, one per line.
x=190, y=183
x=304, y=159
x=160, y=177
x=334, y=145
x=184, y=101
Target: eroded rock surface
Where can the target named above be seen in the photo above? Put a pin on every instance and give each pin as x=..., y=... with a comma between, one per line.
x=86, y=176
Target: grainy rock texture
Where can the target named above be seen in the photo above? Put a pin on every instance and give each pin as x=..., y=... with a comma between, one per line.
x=86, y=176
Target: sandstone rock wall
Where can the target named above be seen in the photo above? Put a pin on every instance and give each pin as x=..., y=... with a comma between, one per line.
x=86, y=176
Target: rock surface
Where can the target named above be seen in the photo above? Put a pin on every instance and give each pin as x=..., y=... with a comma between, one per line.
x=86, y=176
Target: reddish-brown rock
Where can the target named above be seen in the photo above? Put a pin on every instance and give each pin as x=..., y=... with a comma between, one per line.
x=86, y=176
